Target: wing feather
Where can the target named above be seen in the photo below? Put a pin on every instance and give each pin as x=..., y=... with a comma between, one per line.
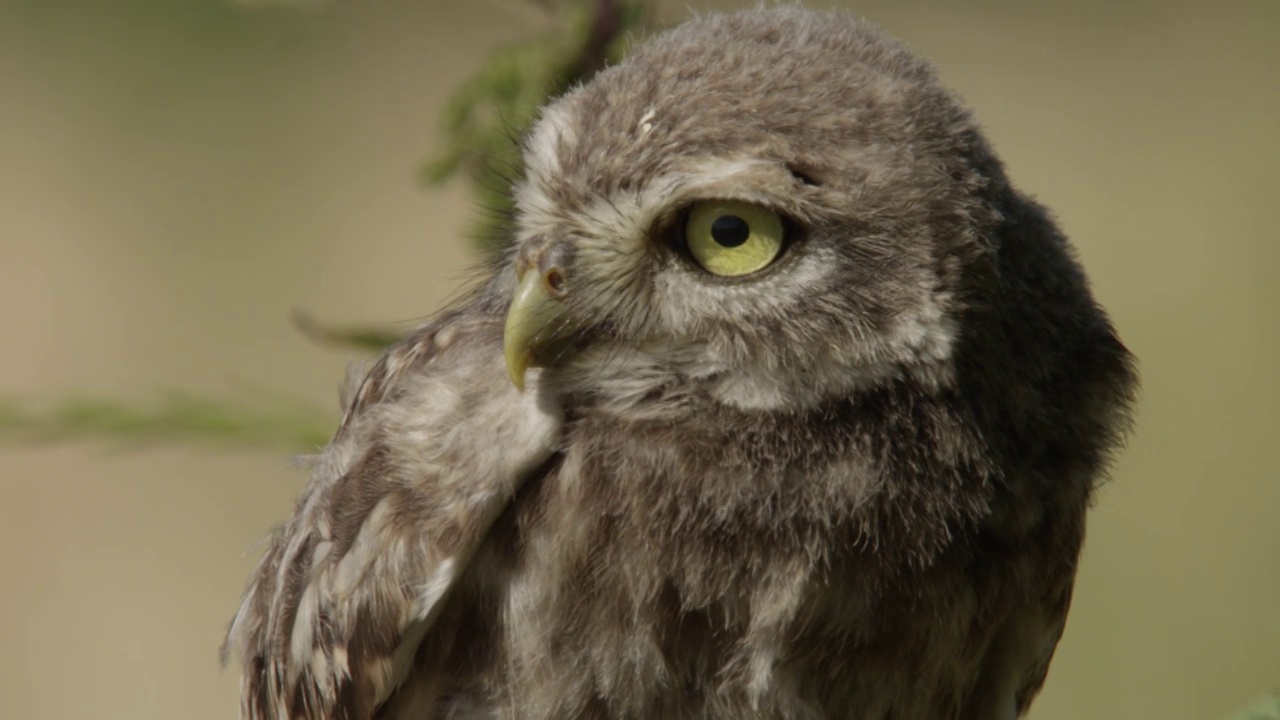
x=433, y=445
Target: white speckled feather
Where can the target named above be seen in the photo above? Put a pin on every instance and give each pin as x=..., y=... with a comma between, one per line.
x=349, y=587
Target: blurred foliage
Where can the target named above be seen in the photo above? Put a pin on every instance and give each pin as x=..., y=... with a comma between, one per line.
x=485, y=118
x=357, y=337
x=1268, y=708
x=177, y=417
x=481, y=127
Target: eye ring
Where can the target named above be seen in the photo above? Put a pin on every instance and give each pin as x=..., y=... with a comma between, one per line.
x=732, y=238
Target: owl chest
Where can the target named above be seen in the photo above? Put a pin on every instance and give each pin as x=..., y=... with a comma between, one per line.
x=651, y=513
x=771, y=503
x=750, y=584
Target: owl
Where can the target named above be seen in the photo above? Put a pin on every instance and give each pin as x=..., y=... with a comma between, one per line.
x=782, y=403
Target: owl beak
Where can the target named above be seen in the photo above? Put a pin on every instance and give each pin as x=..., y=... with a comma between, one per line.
x=538, y=332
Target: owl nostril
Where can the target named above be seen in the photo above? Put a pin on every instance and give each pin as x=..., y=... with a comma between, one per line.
x=554, y=279
x=552, y=260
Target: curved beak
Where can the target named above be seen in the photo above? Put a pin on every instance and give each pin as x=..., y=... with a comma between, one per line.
x=538, y=330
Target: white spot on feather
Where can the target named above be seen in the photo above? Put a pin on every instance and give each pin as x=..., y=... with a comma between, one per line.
x=435, y=587
x=320, y=555
x=646, y=121
x=300, y=640
x=367, y=547
x=340, y=666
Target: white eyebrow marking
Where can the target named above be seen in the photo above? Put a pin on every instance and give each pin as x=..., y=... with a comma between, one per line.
x=554, y=129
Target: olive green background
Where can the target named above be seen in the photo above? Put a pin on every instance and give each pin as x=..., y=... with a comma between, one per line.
x=176, y=176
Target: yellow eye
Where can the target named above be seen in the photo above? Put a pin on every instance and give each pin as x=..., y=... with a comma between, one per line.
x=728, y=237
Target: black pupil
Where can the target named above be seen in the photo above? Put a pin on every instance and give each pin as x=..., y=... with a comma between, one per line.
x=730, y=230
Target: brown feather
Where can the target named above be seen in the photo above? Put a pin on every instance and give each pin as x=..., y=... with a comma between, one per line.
x=383, y=530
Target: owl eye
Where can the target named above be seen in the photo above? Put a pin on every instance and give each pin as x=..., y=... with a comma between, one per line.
x=729, y=237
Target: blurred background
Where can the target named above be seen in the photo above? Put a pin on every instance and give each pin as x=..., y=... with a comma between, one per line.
x=176, y=176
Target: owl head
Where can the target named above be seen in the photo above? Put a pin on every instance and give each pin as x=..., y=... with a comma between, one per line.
x=767, y=209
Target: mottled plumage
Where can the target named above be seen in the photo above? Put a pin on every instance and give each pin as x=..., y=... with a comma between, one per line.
x=850, y=484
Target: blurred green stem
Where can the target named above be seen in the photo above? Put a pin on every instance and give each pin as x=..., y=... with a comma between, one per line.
x=177, y=417
x=1268, y=708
